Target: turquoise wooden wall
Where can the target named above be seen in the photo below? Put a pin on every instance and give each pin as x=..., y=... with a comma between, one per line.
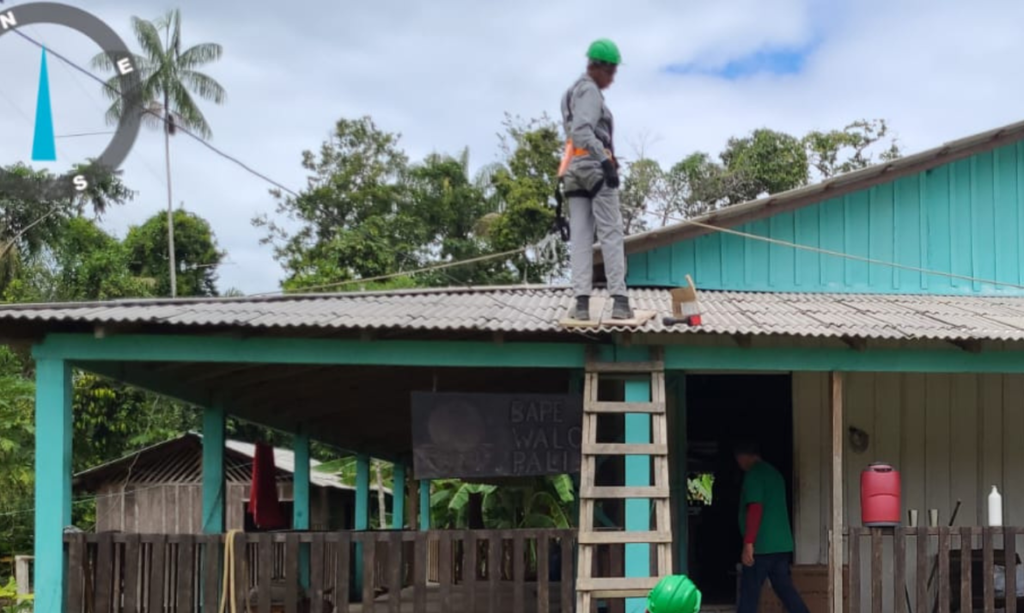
x=965, y=217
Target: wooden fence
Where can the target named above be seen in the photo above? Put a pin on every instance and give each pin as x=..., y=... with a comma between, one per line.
x=934, y=570
x=515, y=571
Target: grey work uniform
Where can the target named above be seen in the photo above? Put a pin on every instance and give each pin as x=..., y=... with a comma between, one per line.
x=588, y=122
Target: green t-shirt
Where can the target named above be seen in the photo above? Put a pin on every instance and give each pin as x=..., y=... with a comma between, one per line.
x=765, y=485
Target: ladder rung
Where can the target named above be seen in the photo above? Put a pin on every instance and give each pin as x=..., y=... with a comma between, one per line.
x=625, y=367
x=625, y=449
x=616, y=537
x=610, y=493
x=622, y=587
x=624, y=407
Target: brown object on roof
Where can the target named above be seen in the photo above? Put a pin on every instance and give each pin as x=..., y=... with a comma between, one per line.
x=535, y=310
x=878, y=174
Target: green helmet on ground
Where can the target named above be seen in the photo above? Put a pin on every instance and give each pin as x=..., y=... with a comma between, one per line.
x=604, y=50
x=674, y=594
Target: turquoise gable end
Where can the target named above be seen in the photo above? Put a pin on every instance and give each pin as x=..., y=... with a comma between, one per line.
x=964, y=218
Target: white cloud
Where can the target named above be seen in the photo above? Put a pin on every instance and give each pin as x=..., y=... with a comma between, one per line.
x=443, y=74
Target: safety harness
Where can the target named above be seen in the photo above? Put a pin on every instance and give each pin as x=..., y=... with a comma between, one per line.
x=561, y=224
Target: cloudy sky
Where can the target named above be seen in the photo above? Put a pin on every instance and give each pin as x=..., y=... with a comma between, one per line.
x=443, y=73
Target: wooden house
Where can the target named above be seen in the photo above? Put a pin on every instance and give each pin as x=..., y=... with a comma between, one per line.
x=877, y=316
x=158, y=490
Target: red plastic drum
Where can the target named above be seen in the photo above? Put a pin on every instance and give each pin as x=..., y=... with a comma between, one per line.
x=880, y=496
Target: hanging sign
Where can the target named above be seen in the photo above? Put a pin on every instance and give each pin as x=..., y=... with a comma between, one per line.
x=495, y=435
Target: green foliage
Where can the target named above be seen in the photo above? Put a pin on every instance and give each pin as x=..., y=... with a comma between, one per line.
x=169, y=77
x=769, y=162
x=368, y=212
x=839, y=151
x=195, y=250
x=541, y=502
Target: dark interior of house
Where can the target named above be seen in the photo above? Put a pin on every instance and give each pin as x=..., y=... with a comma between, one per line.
x=722, y=409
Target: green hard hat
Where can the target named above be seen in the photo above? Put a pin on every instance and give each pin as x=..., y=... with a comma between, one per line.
x=674, y=594
x=604, y=50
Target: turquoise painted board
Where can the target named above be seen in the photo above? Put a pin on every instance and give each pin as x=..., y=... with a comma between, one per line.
x=964, y=218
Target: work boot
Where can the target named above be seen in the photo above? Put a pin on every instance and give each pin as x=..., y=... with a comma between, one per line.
x=582, y=310
x=620, y=308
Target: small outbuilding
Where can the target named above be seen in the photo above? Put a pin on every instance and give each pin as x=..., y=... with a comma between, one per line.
x=158, y=490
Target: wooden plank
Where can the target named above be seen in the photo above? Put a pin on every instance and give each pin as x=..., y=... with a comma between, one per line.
x=156, y=572
x=899, y=548
x=76, y=572
x=265, y=562
x=518, y=573
x=987, y=571
x=621, y=492
x=132, y=547
x=966, y=553
x=625, y=367
x=943, y=553
x=1010, y=564
x=241, y=580
x=566, y=583
x=922, y=604
x=419, y=604
x=342, y=572
x=855, y=586
x=835, y=567
x=212, y=576
x=595, y=406
x=612, y=585
x=543, y=575
x=876, y=570
x=609, y=537
x=317, y=580
x=469, y=569
x=291, y=573
x=446, y=566
x=626, y=449
x=395, y=572
x=186, y=575
x=369, y=548
x=494, y=545
x=104, y=572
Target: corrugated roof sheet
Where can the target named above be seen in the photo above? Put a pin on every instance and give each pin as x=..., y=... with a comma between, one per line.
x=539, y=309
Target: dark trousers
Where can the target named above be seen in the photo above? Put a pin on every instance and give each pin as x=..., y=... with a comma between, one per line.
x=775, y=568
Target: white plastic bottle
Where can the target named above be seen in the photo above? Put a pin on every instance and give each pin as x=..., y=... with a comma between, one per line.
x=995, y=508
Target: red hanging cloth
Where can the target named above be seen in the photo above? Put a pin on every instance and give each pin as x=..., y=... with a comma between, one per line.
x=264, y=506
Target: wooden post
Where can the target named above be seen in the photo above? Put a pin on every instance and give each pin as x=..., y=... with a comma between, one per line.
x=362, y=512
x=300, y=498
x=53, y=481
x=398, y=497
x=214, y=432
x=835, y=549
x=21, y=576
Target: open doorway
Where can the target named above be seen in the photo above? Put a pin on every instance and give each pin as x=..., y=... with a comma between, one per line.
x=720, y=410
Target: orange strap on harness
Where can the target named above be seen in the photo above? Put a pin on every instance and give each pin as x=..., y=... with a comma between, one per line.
x=569, y=153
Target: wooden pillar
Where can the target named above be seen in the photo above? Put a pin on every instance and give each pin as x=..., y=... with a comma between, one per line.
x=678, y=447
x=362, y=518
x=638, y=474
x=398, y=497
x=835, y=549
x=424, y=504
x=54, y=392
x=300, y=498
x=214, y=432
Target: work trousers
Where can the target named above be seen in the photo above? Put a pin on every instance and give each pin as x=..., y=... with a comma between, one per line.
x=775, y=568
x=600, y=213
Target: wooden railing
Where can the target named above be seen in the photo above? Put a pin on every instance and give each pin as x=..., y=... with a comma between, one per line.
x=925, y=570
x=515, y=571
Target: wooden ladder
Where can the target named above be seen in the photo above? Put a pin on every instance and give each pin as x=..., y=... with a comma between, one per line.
x=588, y=587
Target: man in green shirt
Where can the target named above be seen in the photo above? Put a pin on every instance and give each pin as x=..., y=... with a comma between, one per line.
x=767, y=537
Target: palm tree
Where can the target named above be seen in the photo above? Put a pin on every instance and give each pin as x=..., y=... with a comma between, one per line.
x=169, y=77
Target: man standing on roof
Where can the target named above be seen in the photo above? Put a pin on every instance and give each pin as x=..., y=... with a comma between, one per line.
x=767, y=536
x=590, y=177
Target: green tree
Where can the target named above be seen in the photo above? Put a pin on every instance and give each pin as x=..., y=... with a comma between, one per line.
x=838, y=151
x=169, y=78
x=768, y=162
x=196, y=254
